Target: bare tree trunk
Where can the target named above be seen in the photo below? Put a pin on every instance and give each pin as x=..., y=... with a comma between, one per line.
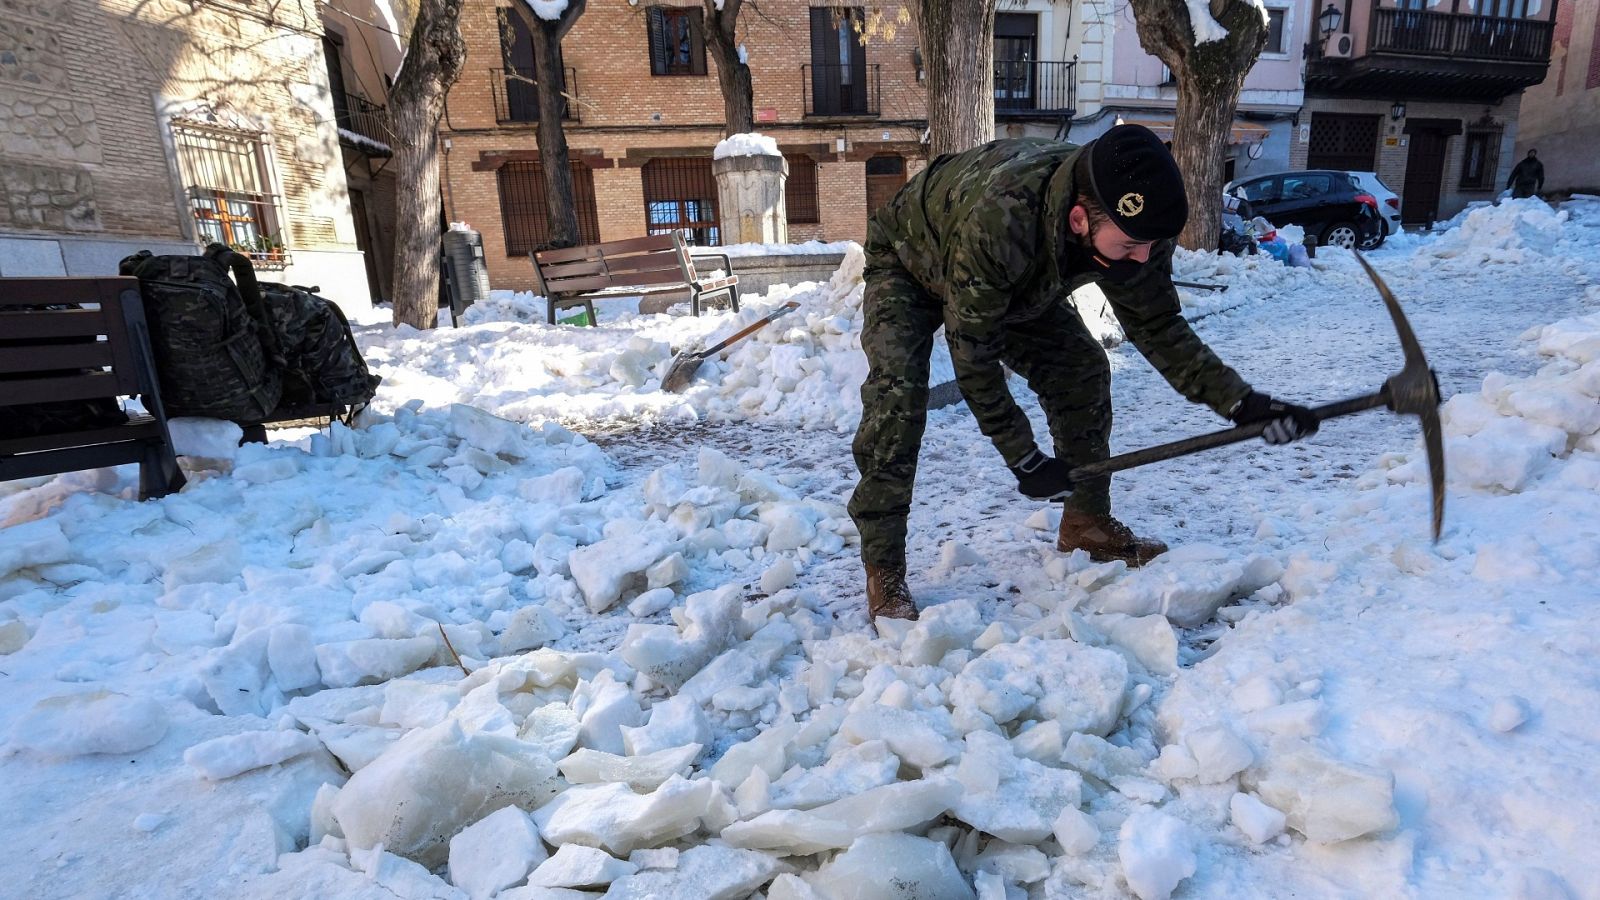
x=1210, y=77
x=559, y=197
x=433, y=63
x=732, y=75
x=957, y=40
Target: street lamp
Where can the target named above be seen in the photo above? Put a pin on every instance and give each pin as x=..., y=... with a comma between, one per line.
x=1329, y=19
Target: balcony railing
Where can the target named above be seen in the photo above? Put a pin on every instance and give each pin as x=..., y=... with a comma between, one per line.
x=1028, y=87
x=360, y=116
x=1459, y=36
x=516, y=95
x=840, y=90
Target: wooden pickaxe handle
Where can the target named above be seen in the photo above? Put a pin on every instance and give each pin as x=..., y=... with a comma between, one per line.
x=748, y=330
x=1161, y=452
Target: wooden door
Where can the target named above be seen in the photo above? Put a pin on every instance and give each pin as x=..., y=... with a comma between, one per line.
x=1424, y=175
x=886, y=174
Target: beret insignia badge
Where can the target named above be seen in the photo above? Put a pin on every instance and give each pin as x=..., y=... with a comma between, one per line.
x=1131, y=204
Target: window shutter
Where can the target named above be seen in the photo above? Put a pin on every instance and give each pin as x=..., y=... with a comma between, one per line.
x=658, y=40
x=823, y=37
x=697, y=42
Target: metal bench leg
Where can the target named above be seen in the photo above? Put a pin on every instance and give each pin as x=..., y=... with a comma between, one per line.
x=159, y=474
x=733, y=297
x=694, y=301
x=550, y=306
x=594, y=320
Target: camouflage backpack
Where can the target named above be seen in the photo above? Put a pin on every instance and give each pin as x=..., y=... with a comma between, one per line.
x=215, y=357
x=324, y=366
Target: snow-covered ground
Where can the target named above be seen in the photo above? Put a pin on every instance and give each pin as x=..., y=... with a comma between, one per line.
x=466, y=649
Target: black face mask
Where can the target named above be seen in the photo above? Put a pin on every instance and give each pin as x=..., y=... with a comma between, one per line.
x=1116, y=271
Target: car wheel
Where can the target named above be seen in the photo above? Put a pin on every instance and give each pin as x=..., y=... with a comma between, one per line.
x=1374, y=242
x=1340, y=234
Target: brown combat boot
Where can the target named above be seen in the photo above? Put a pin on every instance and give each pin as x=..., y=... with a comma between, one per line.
x=1105, y=539
x=887, y=594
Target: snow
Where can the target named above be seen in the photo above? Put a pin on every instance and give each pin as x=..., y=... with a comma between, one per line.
x=375, y=147
x=548, y=10
x=662, y=675
x=746, y=144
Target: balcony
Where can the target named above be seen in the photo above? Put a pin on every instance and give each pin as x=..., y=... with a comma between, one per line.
x=1438, y=55
x=841, y=91
x=363, y=125
x=1025, y=88
x=516, y=95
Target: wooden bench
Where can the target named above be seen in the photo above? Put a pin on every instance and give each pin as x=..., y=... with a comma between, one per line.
x=100, y=350
x=658, y=264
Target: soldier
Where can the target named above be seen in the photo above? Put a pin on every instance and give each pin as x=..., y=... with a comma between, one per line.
x=1527, y=176
x=989, y=243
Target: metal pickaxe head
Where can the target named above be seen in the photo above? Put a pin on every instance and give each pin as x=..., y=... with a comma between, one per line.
x=1414, y=391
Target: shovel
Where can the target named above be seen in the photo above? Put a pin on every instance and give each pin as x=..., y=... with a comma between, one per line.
x=1412, y=391
x=683, y=366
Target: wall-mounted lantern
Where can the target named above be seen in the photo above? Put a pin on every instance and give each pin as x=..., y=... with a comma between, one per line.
x=1329, y=19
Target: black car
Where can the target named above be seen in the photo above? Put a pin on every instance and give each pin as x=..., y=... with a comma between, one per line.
x=1327, y=203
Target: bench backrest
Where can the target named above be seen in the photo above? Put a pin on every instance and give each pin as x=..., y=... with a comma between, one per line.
x=635, y=262
x=71, y=354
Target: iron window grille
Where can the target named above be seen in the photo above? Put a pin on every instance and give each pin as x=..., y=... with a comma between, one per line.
x=227, y=181
x=1480, y=159
x=677, y=41
x=800, y=191
x=525, y=215
x=680, y=194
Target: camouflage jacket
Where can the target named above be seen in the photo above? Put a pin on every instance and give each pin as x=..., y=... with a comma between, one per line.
x=982, y=231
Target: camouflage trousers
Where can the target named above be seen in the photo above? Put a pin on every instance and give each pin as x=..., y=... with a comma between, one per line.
x=1060, y=360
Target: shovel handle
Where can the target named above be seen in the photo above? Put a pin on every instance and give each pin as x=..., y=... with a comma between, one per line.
x=1216, y=439
x=748, y=330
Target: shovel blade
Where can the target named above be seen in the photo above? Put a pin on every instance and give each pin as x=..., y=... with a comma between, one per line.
x=680, y=372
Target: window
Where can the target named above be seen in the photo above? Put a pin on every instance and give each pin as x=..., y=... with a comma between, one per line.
x=681, y=195
x=1263, y=191
x=1275, y=19
x=226, y=177
x=677, y=43
x=838, y=73
x=1306, y=186
x=525, y=215
x=800, y=192
x=1015, y=59
x=1480, y=159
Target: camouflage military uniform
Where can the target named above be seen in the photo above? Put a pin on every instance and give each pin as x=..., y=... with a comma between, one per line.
x=975, y=243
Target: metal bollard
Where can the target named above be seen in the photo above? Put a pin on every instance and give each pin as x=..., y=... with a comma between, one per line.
x=1310, y=243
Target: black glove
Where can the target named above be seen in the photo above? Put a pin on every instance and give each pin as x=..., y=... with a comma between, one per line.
x=1286, y=422
x=1042, y=477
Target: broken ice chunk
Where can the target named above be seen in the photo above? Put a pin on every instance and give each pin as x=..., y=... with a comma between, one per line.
x=892, y=867
x=642, y=773
x=495, y=852
x=1157, y=852
x=1258, y=821
x=1323, y=798
x=576, y=866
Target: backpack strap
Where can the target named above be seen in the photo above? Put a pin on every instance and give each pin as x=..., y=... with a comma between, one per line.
x=250, y=290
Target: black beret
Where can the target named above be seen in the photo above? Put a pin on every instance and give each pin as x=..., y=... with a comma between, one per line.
x=1137, y=182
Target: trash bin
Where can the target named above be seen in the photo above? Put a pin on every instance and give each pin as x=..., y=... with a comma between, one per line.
x=465, y=272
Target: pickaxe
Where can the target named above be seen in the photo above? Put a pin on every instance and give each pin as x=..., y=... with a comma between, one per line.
x=1412, y=391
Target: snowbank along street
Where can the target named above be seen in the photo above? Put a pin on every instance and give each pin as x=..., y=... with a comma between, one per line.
x=537, y=629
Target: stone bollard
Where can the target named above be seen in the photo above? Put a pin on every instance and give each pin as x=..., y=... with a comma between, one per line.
x=1310, y=243
x=750, y=193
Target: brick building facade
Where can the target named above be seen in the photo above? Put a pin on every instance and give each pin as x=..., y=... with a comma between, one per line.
x=159, y=124
x=1429, y=98
x=641, y=127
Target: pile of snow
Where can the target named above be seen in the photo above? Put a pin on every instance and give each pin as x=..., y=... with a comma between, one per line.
x=746, y=144
x=1507, y=232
